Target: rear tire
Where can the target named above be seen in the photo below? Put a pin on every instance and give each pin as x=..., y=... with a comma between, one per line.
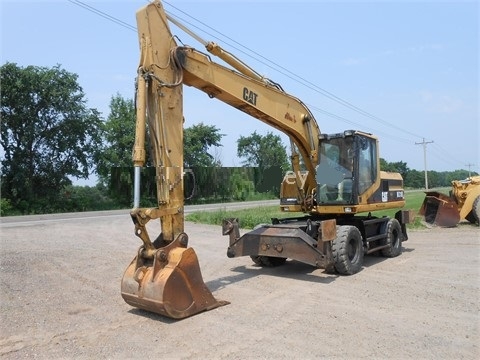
x=474, y=215
x=347, y=250
x=256, y=259
x=268, y=261
x=394, y=239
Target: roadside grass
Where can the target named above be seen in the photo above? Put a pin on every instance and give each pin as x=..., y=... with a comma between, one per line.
x=413, y=201
x=249, y=218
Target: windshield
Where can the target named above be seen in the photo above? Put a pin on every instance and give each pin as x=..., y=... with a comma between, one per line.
x=335, y=170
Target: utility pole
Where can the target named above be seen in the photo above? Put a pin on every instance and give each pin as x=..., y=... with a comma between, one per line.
x=424, y=143
x=469, y=166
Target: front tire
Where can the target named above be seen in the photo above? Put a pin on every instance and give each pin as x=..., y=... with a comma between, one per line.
x=347, y=250
x=394, y=239
x=474, y=215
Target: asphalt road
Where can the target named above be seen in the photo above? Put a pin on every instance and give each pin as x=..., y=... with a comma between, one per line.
x=12, y=221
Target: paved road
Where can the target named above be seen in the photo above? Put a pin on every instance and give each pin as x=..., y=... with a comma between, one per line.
x=12, y=221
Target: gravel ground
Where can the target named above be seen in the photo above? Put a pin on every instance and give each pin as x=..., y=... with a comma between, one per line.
x=60, y=299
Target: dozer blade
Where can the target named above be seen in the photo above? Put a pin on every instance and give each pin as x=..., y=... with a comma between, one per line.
x=171, y=285
x=440, y=209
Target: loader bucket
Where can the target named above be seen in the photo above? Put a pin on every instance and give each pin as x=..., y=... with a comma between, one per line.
x=170, y=285
x=440, y=209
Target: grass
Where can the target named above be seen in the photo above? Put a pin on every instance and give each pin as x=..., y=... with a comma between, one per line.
x=248, y=217
x=413, y=201
x=251, y=217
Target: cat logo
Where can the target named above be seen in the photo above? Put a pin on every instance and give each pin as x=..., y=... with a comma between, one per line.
x=249, y=96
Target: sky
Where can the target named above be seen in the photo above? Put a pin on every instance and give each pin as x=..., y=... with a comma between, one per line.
x=406, y=71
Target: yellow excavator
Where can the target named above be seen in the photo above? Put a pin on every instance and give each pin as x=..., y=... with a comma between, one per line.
x=335, y=178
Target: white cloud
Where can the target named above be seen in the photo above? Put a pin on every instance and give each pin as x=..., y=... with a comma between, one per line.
x=440, y=103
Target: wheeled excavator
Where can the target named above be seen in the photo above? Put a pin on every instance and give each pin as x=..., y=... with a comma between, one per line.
x=334, y=186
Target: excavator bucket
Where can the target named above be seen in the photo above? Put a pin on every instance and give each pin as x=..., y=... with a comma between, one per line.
x=440, y=209
x=171, y=284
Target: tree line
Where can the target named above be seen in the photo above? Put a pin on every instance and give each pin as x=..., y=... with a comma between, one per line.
x=49, y=136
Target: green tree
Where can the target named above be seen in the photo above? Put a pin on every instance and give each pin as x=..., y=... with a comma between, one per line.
x=263, y=151
x=47, y=133
x=399, y=167
x=114, y=164
x=457, y=175
x=197, y=140
x=415, y=179
x=119, y=130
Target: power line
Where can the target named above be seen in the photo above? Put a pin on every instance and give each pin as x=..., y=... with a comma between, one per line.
x=314, y=87
x=283, y=71
x=445, y=160
x=104, y=15
x=360, y=126
x=446, y=156
x=298, y=78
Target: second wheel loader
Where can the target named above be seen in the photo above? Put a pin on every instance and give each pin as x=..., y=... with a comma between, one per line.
x=463, y=203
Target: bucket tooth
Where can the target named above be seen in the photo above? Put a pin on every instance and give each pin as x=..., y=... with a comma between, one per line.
x=171, y=285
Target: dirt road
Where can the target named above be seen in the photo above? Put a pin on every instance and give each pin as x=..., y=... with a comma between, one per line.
x=60, y=298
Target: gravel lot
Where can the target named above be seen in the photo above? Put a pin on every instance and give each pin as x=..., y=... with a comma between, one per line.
x=60, y=299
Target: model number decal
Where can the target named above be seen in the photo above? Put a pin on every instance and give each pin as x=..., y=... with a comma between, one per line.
x=249, y=96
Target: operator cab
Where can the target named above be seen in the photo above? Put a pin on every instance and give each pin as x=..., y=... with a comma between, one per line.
x=347, y=167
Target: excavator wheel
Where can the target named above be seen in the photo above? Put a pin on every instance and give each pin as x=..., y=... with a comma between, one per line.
x=257, y=260
x=347, y=250
x=268, y=261
x=394, y=239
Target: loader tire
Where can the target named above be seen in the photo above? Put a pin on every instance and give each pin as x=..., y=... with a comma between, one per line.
x=394, y=239
x=347, y=250
x=268, y=261
x=474, y=215
x=470, y=218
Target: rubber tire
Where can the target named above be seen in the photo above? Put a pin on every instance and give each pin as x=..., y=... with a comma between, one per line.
x=474, y=215
x=256, y=259
x=470, y=218
x=394, y=239
x=268, y=261
x=347, y=250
